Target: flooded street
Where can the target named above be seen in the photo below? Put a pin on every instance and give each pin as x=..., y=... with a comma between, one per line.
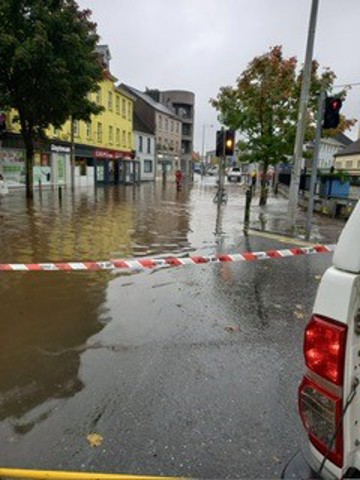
x=189, y=371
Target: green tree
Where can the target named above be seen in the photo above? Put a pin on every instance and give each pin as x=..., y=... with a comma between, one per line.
x=48, y=65
x=264, y=106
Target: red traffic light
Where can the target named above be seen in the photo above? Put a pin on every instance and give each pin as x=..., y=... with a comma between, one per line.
x=335, y=104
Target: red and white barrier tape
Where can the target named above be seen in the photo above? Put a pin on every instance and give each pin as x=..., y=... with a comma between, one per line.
x=149, y=263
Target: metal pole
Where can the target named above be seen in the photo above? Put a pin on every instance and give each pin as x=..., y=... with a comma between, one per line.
x=248, y=198
x=315, y=162
x=301, y=124
x=202, y=166
x=221, y=170
x=72, y=153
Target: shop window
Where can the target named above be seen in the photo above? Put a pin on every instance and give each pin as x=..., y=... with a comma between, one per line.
x=148, y=166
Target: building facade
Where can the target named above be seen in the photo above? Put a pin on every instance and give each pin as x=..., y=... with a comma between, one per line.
x=145, y=150
x=182, y=102
x=103, y=147
x=165, y=125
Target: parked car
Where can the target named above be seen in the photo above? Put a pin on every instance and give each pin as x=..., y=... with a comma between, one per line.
x=329, y=394
x=214, y=170
x=234, y=173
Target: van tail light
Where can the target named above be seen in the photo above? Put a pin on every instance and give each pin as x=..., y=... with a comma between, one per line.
x=321, y=409
x=324, y=348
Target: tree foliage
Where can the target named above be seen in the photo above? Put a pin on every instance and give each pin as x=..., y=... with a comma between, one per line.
x=48, y=65
x=264, y=105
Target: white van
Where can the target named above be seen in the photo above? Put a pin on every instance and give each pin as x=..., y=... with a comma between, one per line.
x=329, y=394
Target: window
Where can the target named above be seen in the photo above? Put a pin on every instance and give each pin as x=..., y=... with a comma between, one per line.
x=149, y=145
x=160, y=122
x=348, y=164
x=177, y=127
x=111, y=134
x=129, y=140
x=140, y=143
x=172, y=126
x=117, y=104
x=358, y=164
x=124, y=138
x=123, y=107
x=76, y=128
x=99, y=132
x=148, y=166
x=56, y=132
x=110, y=101
x=88, y=130
x=338, y=164
x=166, y=124
x=118, y=136
x=98, y=97
x=129, y=110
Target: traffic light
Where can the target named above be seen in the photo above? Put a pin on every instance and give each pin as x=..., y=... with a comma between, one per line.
x=331, y=114
x=219, y=143
x=229, y=142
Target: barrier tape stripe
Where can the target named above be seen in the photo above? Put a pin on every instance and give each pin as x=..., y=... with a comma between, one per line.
x=149, y=263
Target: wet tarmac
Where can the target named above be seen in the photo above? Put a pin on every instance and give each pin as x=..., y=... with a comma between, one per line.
x=189, y=371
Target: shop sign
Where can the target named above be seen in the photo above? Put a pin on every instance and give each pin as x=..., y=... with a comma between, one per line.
x=108, y=154
x=60, y=149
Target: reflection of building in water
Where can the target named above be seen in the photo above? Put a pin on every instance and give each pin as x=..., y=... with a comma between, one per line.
x=162, y=219
x=45, y=322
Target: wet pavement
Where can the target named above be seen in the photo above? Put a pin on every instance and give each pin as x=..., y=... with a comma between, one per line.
x=190, y=371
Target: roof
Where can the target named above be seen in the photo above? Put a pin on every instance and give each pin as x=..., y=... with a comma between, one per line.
x=139, y=125
x=160, y=107
x=351, y=149
x=342, y=138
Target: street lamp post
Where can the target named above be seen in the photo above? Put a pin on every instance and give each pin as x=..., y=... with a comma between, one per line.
x=209, y=125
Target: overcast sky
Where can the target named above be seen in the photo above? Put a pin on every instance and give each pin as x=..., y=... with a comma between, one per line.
x=201, y=45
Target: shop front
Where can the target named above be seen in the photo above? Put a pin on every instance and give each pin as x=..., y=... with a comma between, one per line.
x=84, y=166
x=60, y=165
x=115, y=167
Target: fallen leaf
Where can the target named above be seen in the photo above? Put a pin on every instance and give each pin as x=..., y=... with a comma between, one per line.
x=276, y=459
x=299, y=314
x=317, y=277
x=298, y=306
x=232, y=329
x=94, y=439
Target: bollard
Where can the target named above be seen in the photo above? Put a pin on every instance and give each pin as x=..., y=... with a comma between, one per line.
x=40, y=188
x=60, y=193
x=248, y=198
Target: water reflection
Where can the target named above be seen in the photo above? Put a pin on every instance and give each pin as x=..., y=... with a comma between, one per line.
x=44, y=326
x=93, y=224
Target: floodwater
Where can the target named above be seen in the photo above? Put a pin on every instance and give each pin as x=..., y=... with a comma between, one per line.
x=162, y=364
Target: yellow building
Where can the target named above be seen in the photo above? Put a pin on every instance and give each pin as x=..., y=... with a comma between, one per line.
x=104, y=147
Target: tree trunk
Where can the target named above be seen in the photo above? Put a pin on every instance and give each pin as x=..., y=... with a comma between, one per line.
x=29, y=145
x=264, y=185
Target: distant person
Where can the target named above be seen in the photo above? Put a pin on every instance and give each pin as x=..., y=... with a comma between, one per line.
x=253, y=180
x=178, y=179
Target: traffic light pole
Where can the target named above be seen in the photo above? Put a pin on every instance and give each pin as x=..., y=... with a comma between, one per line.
x=314, y=167
x=220, y=195
x=301, y=124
